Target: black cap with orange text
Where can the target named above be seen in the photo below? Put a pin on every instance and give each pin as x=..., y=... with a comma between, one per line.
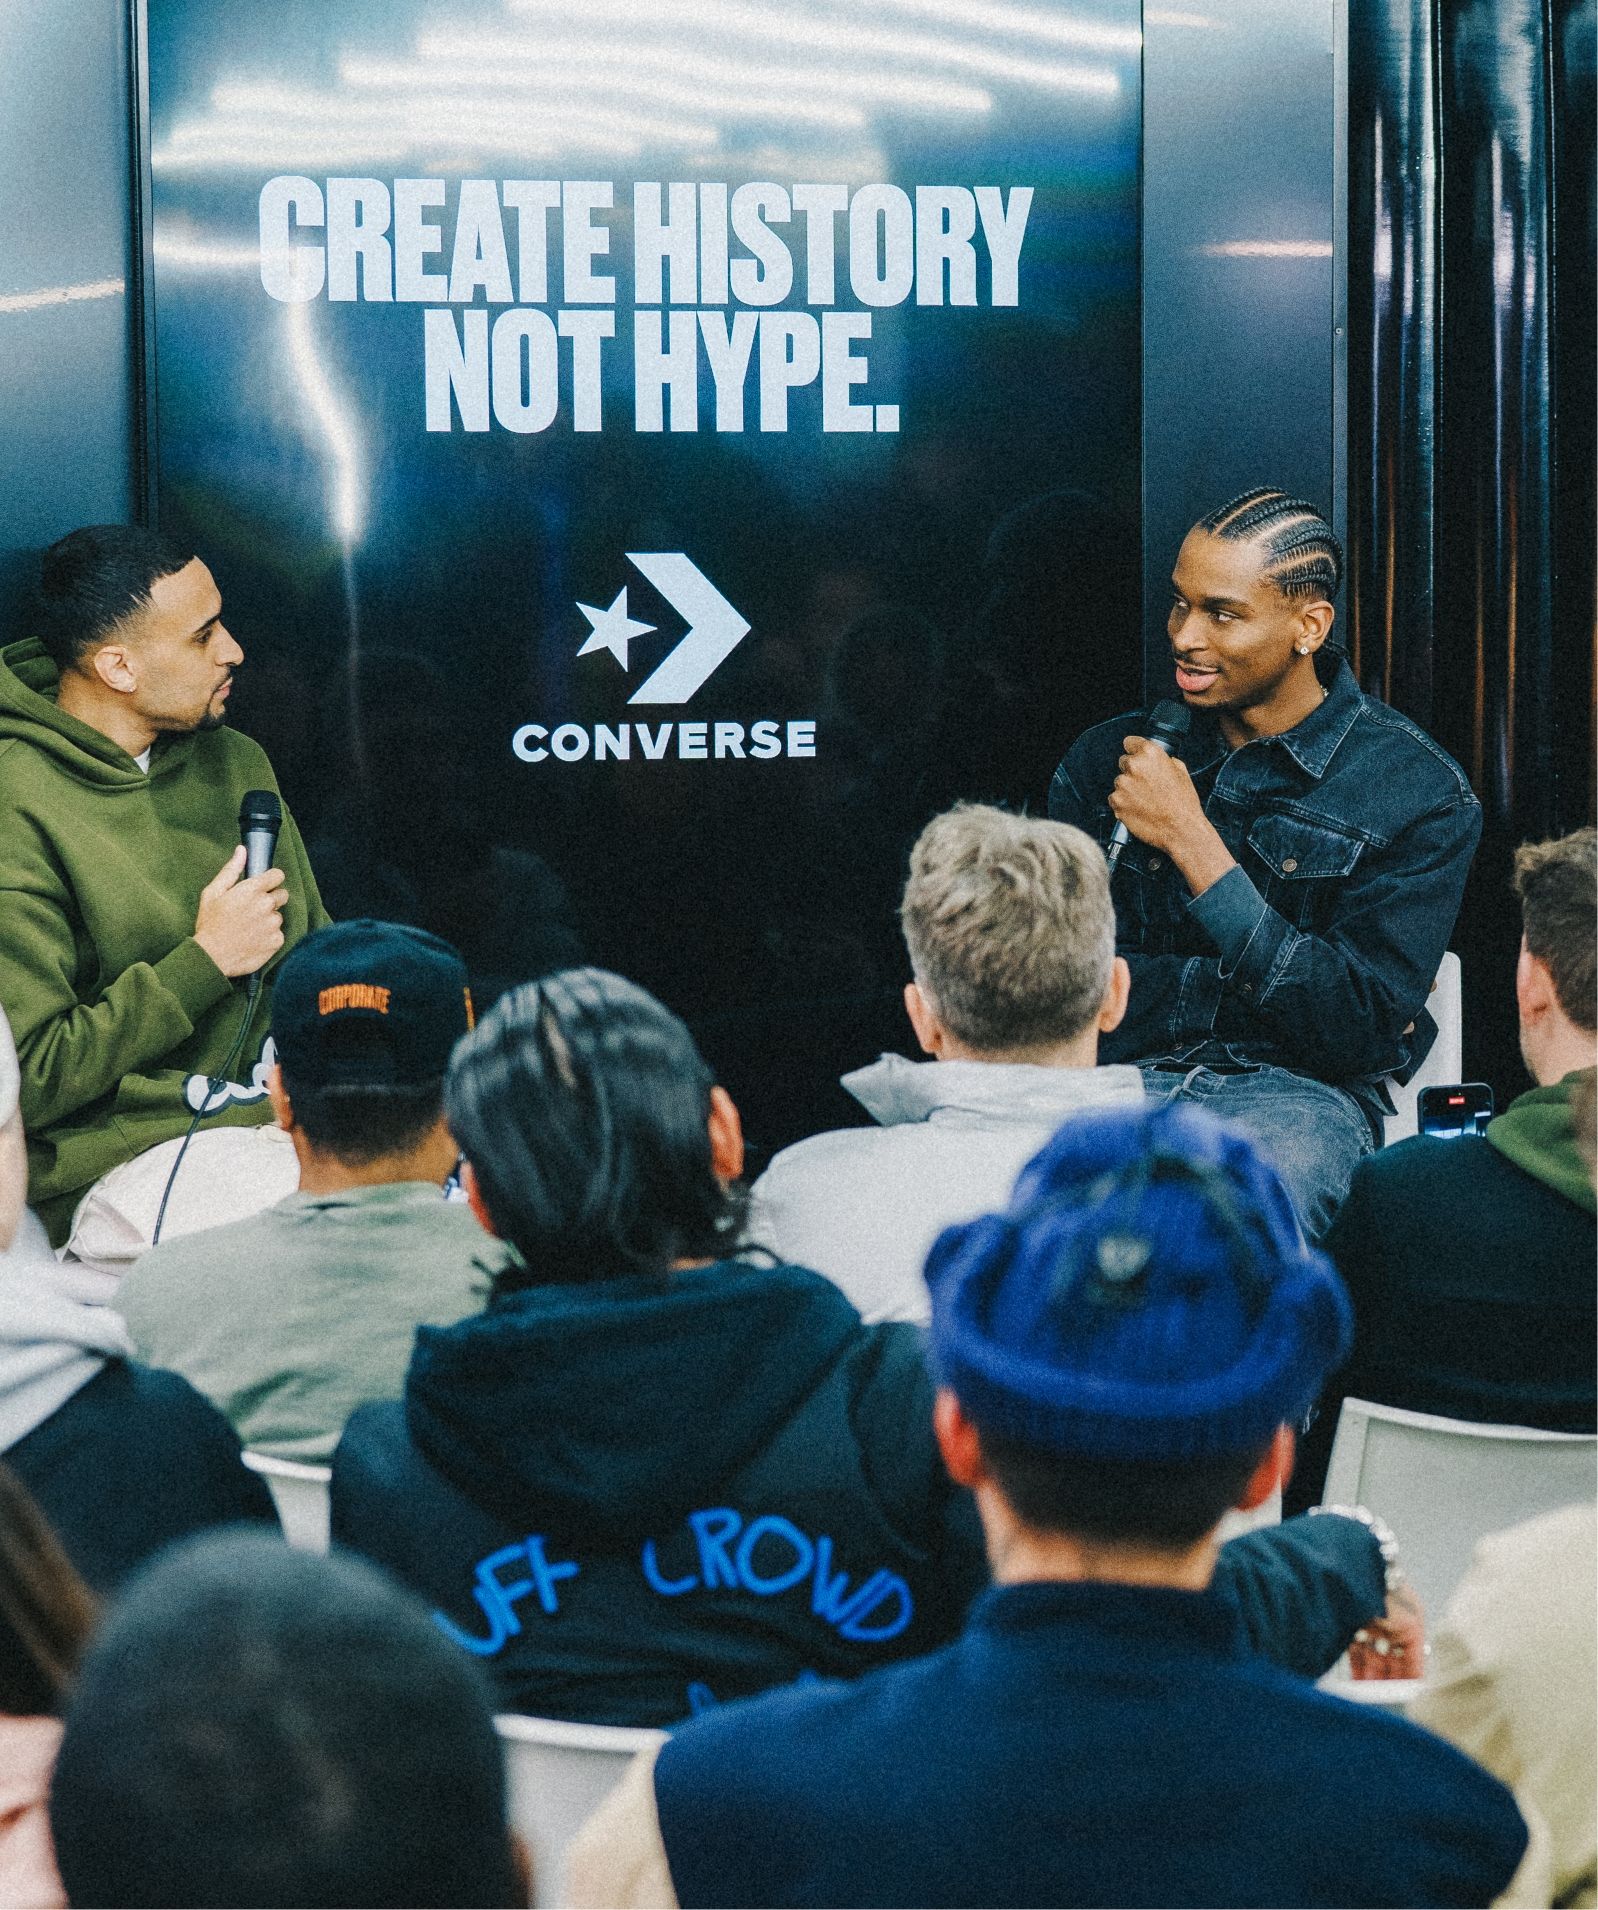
x=369, y=1004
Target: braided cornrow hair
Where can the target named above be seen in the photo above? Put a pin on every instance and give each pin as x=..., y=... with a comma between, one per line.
x=1304, y=558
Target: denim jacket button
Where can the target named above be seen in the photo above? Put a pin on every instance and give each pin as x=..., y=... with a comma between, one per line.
x=1154, y=862
x=1289, y=865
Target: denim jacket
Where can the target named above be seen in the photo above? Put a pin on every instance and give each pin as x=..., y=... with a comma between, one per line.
x=1353, y=834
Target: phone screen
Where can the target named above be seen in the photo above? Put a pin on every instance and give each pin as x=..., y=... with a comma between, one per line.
x=1465, y=1107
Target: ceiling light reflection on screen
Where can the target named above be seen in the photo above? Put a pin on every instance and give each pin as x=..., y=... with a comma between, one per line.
x=596, y=79
x=713, y=66
x=565, y=77
x=856, y=36
x=347, y=503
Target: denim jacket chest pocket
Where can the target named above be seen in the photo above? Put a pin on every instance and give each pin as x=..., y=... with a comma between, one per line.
x=1300, y=866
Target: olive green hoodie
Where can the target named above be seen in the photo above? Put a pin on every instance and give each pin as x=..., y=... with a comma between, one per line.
x=119, y=1015
x=1537, y=1132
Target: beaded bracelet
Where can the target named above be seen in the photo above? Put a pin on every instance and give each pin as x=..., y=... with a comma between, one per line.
x=1381, y=1532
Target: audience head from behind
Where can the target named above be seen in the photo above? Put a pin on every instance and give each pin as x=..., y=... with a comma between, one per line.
x=133, y=624
x=256, y=1725
x=1123, y=1352
x=1556, y=977
x=595, y=1140
x=1010, y=931
x=1011, y=937
x=364, y=1017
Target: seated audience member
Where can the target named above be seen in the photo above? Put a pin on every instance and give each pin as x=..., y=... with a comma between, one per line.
x=1511, y=1682
x=1296, y=863
x=651, y=1474
x=291, y=1319
x=1121, y=1355
x=127, y=925
x=121, y=1460
x=1012, y=945
x=46, y=1616
x=257, y=1726
x=1470, y=1260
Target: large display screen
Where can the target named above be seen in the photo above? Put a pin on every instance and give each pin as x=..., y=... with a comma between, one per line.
x=656, y=454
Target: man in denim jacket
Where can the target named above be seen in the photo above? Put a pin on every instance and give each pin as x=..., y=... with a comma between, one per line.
x=1294, y=869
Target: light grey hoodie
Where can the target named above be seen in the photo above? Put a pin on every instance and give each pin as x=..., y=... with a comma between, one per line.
x=50, y=1345
x=863, y=1205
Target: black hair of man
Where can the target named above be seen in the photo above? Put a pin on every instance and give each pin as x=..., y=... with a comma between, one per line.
x=256, y=1725
x=583, y=1106
x=1170, y=1505
x=358, y=1123
x=92, y=579
x=1303, y=557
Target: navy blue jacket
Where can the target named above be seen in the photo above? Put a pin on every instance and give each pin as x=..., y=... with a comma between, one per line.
x=632, y=1498
x=1353, y=834
x=1079, y=1744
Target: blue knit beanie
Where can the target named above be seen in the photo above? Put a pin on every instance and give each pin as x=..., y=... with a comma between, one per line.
x=1145, y=1296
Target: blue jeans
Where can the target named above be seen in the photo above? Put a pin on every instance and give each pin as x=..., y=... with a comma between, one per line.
x=1313, y=1134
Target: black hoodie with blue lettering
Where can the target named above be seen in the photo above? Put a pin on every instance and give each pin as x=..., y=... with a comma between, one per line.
x=635, y=1498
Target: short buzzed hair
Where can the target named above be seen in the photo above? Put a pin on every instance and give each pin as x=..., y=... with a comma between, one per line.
x=92, y=579
x=1557, y=883
x=260, y=1726
x=1010, y=927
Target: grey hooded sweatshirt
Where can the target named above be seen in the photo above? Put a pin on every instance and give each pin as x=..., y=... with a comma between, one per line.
x=863, y=1205
x=50, y=1345
x=121, y=1459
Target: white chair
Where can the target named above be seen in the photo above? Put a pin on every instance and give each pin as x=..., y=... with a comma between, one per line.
x=558, y=1775
x=300, y=1493
x=1445, y=1063
x=1442, y=1484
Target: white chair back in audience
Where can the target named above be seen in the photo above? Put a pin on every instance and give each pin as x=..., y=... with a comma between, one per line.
x=1442, y=1484
x=300, y=1493
x=557, y=1776
x=1444, y=1064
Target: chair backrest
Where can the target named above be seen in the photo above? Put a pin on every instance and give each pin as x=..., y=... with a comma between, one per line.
x=558, y=1775
x=1442, y=1484
x=300, y=1493
x=1446, y=1061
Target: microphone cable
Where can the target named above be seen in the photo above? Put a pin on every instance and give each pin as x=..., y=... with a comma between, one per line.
x=214, y=1085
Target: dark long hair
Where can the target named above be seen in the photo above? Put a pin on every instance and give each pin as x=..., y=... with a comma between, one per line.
x=46, y=1610
x=583, y=1106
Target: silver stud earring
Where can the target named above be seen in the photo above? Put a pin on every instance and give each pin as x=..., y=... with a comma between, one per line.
x=1302, y=649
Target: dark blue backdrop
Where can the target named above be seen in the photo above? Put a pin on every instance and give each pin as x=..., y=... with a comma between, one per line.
x=949, y=603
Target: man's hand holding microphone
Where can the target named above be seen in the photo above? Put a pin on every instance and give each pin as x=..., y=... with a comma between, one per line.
x=1153, y=798
x=240, y=920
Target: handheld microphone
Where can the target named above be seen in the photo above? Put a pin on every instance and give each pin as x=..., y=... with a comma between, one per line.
x=260, y=819
x=1168, y=723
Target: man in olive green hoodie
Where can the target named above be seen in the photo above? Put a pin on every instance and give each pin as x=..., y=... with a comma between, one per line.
x=127, y=926
x=1470, y=1261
